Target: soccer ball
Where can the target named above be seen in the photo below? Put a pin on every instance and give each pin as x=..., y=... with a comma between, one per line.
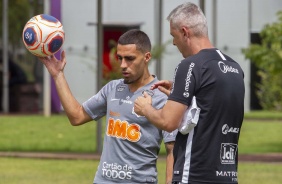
x=43, y=35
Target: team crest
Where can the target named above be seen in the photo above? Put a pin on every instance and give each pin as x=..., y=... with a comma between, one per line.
x=150, y=92
x=121, y=88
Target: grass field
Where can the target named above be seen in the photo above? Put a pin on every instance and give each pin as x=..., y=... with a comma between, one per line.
x=55, y=134
x=34, y=171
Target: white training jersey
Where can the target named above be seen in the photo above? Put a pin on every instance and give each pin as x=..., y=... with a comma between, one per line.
x=131, y=142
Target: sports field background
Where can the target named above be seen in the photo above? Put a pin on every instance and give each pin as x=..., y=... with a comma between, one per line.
x=261, y=133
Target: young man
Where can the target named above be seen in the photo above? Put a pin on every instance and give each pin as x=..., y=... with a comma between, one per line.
x=131, y=143
x=209, y=152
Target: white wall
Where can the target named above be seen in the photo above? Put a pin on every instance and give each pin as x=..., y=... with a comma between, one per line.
x=235, y=20
x=172, y=56
x=233, y=35
x=80, y=47
x=263, y=12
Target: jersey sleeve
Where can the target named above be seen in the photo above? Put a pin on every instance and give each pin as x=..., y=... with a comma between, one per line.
x=184, y=83
x=169, y=136
x=96, y=106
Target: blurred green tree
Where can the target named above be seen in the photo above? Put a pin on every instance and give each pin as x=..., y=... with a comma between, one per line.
x=267, y=56
x=18, y=15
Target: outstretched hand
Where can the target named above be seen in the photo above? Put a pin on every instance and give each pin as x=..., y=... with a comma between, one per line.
x=141, y=102
x=53, y=65
x=164, y=86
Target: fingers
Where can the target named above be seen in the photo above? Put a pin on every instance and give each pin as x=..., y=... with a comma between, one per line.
x=164, y=90
x=145, y=94
x=163, y=85
x=159, y=83
x=63, y=58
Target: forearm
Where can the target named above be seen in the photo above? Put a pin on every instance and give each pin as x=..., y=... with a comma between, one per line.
x=72, y=107
x=156, y=117
x=160, y=118
x=169, y=162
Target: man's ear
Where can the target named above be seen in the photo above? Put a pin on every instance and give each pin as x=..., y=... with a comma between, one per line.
x=148, y=56
x=185, y=32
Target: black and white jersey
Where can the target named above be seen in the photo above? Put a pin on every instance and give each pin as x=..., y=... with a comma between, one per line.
x=209, y=153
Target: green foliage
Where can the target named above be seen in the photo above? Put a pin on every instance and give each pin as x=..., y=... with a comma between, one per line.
x=115, y=73
x=268, y=58
x=159, y=50
x=18, y=15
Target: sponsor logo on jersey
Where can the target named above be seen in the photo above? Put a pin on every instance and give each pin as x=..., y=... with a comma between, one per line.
x=186, y=94
x=188, y=80
x=231, y=174
x=127, y=101
x=112, y=113
x=225, y=68
x=172, y=88
x=123, y=130
x=226, y=129
x=114, y=99
x=226, y=173
x=116, y=171
x=228, y=153
x=121, y=87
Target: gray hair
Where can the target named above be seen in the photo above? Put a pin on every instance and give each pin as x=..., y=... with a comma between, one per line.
x=190, y=15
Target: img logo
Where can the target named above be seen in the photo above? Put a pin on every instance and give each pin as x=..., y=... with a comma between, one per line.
x=228, y=153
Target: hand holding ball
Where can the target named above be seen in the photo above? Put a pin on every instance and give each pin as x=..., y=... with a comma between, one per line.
x=43, y=35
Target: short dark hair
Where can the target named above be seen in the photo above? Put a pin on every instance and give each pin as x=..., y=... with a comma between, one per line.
x=137, y=37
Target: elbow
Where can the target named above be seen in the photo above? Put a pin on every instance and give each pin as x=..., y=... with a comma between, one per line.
x=77, y=117
x=74, y=122
x=170, y=127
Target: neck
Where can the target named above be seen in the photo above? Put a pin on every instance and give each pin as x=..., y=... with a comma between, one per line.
x=144, y=80
x=200, y=44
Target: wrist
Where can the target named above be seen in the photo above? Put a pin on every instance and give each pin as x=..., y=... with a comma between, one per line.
x=147, y=108
x=58, y=75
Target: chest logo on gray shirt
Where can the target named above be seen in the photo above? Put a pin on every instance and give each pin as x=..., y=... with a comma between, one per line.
x=121, y=88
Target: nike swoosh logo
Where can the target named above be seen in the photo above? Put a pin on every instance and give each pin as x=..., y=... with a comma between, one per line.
x=114, y=99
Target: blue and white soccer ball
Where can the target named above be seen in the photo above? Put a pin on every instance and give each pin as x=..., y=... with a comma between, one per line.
x=43, y=35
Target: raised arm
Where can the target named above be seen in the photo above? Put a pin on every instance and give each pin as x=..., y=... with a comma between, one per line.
x=74, y=111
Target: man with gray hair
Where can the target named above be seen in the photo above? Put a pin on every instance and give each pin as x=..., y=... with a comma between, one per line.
x=208, y=153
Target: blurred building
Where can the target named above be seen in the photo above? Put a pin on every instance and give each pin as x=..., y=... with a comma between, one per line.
x=233, y=25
